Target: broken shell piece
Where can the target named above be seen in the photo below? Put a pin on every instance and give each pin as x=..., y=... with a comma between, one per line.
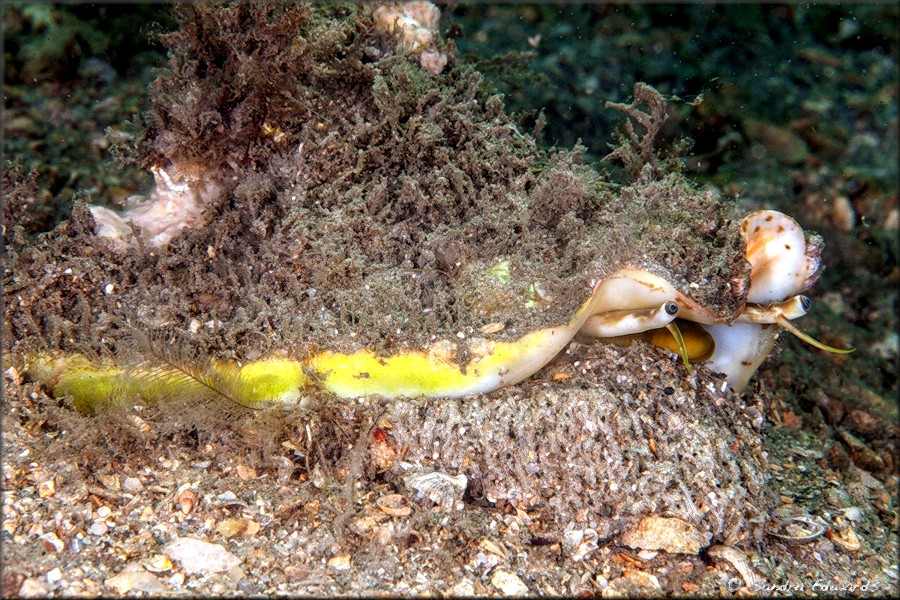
x=444, y=490
x=665, y=533
x=186, y=501
x=796, y=530
x=846, y=540
x=739, y=560
x=394, y=505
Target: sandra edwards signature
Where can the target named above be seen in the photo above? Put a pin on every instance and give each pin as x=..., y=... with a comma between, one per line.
x=819, y=586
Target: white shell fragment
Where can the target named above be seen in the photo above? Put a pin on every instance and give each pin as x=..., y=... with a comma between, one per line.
x=444, y=490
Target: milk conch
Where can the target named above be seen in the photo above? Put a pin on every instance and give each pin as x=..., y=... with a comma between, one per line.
x=627, y=305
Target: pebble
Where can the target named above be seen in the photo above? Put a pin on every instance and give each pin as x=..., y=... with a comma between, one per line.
x=158, y=563
x=132, y=485
x=864, y=457
x=52, y=543
x=197, y=556
x=853, y=514
x=634, y=583
x=340, y=563
x=838, y=498
x=463, y=588
x=508, y=583
x=133, y=578
x=33, y=588
x=864, y=425
x=781, y=143
x=98, y=528
x=54, y=575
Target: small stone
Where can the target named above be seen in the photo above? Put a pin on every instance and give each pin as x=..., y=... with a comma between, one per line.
x=838, y=498
x=508, y=583
x=11, y=583
x=12, y=375
x=197, y=556
x=158, y=563
x=52, y=543
x=864, y=457
x=633, y=584
x=580, y=543
x=831, y=408
x=98, y=528
x=235, y=575
x=665, y=533
x=853, y=514
x=781, y=143
x=464, y=588
x=245, y=473
x=46, y=489
x=340, y=563
x=135, y=579
x=53, y=575
x=231, y=527
x=865, y=425
x=837, y=457
x=33, y=587
x=295, y=573
x=132, y=485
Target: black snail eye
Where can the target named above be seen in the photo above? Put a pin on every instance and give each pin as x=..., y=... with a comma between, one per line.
x=805, y=302
x=671, y=309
